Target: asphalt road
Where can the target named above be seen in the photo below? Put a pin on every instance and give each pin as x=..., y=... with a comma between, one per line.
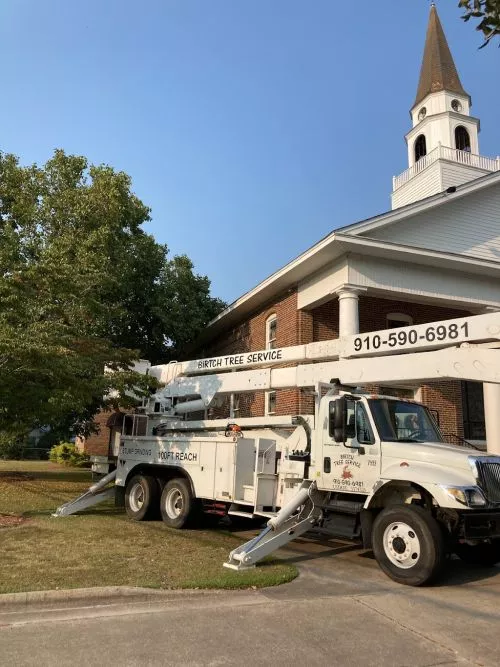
x=342, y=610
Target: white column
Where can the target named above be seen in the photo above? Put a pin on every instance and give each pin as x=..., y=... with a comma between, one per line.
x=491, y=393
x=348, y=311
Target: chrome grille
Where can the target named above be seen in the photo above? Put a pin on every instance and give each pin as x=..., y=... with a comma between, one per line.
x=489, y=473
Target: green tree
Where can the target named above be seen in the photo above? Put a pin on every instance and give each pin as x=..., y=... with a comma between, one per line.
x=187, y=295
x=82, y=286
x=488, y=13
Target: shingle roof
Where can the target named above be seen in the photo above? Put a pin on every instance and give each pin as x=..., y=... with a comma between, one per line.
x=438, y=71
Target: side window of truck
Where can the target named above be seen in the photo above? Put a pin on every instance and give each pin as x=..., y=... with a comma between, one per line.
x=363, y=428
x=357, y=423
x=331, y=415
x=350, y=423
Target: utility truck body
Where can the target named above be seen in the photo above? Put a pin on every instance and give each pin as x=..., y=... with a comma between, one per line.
x=365, y=467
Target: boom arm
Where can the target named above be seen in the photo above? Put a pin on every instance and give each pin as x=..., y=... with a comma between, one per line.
x=410, y=354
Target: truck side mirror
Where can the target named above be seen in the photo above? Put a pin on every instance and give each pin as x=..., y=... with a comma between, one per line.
x=339, y=419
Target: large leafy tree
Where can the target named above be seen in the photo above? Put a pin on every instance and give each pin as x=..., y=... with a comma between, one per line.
x=488, y=13
x=82, y=286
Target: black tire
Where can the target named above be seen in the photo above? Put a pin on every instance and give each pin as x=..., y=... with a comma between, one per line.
x=141, y=497
x=178, y=506
x=408, y=545
x=485, y=554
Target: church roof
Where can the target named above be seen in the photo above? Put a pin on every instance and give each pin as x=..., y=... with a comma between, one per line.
x=351, y=239
x=438, y=71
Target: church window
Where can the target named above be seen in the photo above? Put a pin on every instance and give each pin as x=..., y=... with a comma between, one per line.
x=396, y=320
x=270, y=405
x=456, y=106
x=271, y=326
x=420, y=147
x=462, y=139
x=422, y=113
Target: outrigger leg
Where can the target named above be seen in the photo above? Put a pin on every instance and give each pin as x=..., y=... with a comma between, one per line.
x=94, y=495
x=297, y=517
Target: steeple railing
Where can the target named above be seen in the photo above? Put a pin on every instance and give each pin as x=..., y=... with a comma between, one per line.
x=452, y=155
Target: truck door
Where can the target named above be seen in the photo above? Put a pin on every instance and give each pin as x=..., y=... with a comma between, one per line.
x=353, y=466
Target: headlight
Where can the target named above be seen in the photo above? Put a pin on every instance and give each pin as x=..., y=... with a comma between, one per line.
x=471, y=497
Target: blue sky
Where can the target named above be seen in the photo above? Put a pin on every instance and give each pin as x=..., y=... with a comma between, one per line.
x=252, y=128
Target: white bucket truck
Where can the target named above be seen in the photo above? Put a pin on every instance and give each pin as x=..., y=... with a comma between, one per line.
x=365, y=467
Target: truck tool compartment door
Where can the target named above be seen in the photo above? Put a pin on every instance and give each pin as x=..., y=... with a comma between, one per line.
x=353, y=466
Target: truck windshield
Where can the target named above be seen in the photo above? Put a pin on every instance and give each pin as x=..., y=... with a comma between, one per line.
x=400, y=421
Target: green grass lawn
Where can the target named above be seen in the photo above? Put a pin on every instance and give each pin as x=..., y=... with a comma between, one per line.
x=102, y=547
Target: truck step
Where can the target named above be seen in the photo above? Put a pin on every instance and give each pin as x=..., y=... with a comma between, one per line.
x=344, y=506
x=246, y=515
x=342, y=525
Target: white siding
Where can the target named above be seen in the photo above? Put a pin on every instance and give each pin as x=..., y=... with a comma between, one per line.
x=467, y=226
x=397, y=279
x=457, y=174
x=423, y=282
x=440, y=102
x=319, y=287
x=423, y=185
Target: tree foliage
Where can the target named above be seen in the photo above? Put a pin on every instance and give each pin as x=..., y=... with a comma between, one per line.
x=488, y=13
x=82, y=286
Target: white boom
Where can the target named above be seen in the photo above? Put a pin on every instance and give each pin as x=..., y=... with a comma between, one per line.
x=440, y=350
x=477, y=328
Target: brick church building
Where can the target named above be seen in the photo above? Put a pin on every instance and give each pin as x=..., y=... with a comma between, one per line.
x=434, y=256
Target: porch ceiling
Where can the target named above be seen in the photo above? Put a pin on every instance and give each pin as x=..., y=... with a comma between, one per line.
x=326, y=253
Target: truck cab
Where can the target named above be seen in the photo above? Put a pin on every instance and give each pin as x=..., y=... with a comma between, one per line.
x=384, y=455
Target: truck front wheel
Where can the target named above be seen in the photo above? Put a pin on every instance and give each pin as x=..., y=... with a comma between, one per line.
x=486, y=554
x=177, y=503
x=408, y=545
x=141, y=497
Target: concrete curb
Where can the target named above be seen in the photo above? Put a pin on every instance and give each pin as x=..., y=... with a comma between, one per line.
x=103, y=594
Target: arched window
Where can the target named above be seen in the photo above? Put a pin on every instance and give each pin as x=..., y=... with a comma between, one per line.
x=420, y=147
x=396, y=320
x=462, y=139
x=271, y=326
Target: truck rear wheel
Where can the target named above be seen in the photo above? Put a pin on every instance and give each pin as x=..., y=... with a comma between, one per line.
x=177, y=504
x=141, y=497
x=486, y=554
x=408, y=545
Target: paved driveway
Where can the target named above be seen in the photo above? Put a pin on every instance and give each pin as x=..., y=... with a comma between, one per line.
x=342, y=610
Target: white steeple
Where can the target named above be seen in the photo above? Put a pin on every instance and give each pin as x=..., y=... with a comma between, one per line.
x=443, y=144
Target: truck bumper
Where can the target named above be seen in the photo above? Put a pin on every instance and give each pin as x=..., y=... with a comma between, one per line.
x=478, y=525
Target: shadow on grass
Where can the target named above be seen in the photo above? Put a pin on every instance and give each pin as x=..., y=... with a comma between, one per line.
x=81, y=476
x=102, y=511
x=111, y=512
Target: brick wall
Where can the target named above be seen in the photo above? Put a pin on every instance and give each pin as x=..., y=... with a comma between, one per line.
x=97, y=444
x=293, y=328
x=326, y=321
x=251, y=334
x=446, y=398
x=373, y=312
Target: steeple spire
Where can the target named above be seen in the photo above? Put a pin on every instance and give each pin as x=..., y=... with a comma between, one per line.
x=438, y=71
x=443, y=143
